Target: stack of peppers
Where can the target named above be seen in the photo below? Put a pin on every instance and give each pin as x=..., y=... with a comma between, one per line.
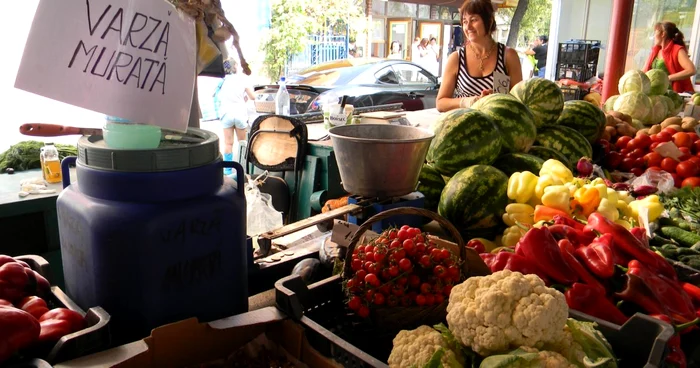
x=586, y=259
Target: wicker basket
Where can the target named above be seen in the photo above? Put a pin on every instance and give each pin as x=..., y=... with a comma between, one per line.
x=265, y=107
x=397, y=318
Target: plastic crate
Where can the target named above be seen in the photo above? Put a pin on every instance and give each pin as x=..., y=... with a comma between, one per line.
x=572, y=93
x=579, y=73
x=95, y=337
x=353, y=343
x=579, y=52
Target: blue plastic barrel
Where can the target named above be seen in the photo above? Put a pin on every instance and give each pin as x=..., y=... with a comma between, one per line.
x=153, y=246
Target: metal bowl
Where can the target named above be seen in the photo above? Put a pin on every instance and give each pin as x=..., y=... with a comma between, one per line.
x=379, y=160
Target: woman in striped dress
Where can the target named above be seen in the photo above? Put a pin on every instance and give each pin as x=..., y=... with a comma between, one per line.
x=469, y=72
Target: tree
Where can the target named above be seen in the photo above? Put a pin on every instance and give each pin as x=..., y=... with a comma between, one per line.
x=534, y=22
x=292, y=21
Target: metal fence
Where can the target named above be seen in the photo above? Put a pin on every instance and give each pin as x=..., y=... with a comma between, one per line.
x=319, y=49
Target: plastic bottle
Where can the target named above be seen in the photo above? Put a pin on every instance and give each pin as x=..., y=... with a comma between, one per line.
x=282, y=99
x=52, y=164
x=41, y=160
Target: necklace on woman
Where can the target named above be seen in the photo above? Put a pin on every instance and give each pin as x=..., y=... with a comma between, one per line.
x=481, y=58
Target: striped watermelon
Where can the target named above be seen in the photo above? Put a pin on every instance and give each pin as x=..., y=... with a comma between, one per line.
x=547, y=153
x=430, y=183
x=513, y=119
x=543, y=97
x=463, y=137
x=475, y=198
x=567, y=141
x=517, y=162
x=584, y=117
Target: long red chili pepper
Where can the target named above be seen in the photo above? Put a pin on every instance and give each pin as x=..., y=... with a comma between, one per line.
x=539, y=247
x=591, y=300
x=577, y=237
x=568, y=221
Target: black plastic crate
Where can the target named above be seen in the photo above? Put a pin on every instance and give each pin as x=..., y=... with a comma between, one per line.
x=579, y=73
x=334, y=332
x=579, y=52
x=572, y=93
x=95, y=337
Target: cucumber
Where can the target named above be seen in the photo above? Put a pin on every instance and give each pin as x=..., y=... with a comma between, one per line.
x=684, y=238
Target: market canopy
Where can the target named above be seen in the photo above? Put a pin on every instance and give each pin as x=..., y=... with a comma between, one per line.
x=458, y=3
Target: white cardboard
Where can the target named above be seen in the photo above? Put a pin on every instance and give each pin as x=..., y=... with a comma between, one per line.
x=501, y=82
x=135, y=59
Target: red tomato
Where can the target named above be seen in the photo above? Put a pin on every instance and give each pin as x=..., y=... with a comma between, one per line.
x=622, y=142
x=643, y=141
x=685, y=150
x=637, y=171
x=627, y=164
x=664, y=137
x=687, y=169
x=692, y=181
x=632, y=144
x=654, y=168
x=654, y=145
x=653, y=159
x=669, y=165
x=696, y=146
x=625, y=152
x=670, y=131
x=676, y=180
x=695, y=159
x=692, y=136
x=637, y=153
x=682, y=139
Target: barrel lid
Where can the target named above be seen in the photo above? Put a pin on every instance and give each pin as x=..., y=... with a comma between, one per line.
x=197, y=147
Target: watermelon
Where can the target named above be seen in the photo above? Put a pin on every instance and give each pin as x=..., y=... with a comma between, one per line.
x=543, y=97
x=567, y=141
x=475, y=198
x=547, y=153
x=517, y=162
x=463, y=138
x=584, y=117
x=430, y=183
x=513, y=119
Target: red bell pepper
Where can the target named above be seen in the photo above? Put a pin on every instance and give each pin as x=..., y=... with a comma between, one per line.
x=488, y=258
x=628, y=244
x=19, y=330
x=675, y=354
x=5, y=303
x=656, y=295
x=568, y=221
x=577, y=237
x=540, y=248
x=518, y=263
x=598, y=257
x=567, y=251
x=499, y=261
x=59, y=322
x=692, y=291
x=13, y=280
x=33, y=305
x=641, y=234
x=591, y=300
x=477, y=245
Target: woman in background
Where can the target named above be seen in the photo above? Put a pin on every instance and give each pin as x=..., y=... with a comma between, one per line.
x=396, y=51
x=670, y=55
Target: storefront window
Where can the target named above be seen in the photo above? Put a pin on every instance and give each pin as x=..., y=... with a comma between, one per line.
x=401, y=9
x=646, y=14
x=378, y=38
x=378, y=7
x=424, y=11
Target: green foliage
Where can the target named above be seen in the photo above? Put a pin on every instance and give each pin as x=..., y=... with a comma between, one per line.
x=292, y=21
x=535, y=21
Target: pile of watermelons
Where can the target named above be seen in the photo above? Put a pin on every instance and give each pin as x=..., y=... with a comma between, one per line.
x=475, y=150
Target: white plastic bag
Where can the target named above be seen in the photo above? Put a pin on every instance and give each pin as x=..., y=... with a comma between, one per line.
x=658, y=179
x=262, y=216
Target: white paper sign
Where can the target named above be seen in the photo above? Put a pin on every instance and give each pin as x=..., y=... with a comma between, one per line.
x=135, y=59
x=501, y=82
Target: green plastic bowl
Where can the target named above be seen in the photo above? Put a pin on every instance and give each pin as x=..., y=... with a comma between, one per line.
x=131, y=136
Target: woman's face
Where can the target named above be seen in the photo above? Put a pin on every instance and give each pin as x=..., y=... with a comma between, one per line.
x=474, y=26
x=395, y=47
x=658, y=36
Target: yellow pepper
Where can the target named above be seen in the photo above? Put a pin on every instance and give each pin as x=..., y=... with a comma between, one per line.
x=624, y=208
x=597, y=181
x=558, y=197
x=521, y=186
x=511, y=236
x=540, y=224
x=649, y=203
x=545, y=181
x=624, y=223
x=518, y=213
x=602, y=190
x=586, y=200
x=625, y=196
x=578, y=182
x=573, y=187
x=558, y=170
x=612, y=196
x=608, y=209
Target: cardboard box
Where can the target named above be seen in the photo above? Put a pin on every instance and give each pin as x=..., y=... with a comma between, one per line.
x=189, y=342
x=692, y=110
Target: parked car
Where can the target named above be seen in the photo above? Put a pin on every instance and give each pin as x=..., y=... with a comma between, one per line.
x=366, y=82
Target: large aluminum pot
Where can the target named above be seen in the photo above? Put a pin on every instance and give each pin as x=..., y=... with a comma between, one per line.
x=379, y=160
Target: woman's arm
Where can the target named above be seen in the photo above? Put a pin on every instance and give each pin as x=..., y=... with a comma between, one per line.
x=513, y=67
x=687, y=65
x=249, y=92
x=445, y=101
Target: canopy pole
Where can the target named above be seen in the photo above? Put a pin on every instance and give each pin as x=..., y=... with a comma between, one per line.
x=617, y=47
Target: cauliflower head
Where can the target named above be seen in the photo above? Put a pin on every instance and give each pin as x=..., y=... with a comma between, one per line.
x=414, y=348
x=567, y=346
x=506, y=309
x=527, y=357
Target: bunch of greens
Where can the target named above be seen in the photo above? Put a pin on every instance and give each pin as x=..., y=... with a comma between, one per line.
x=25, y=155
x=684, y=207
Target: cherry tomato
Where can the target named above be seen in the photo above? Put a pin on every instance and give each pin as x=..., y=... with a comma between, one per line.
x=393, y=271
x=420, y=300
x=637, y=171
x=392, y=301
x=425, y=288
x=369, y=257
x=379, y=299
x=402, y=281
x=355, y=303
x=687, y=169
x=420, y=248
x=627, y=164
x=669, y=165
x=361, y=274
x=369, y=249
x=681, y=139
x=394, y=244
x=402, y=234
x=677, y=181
x=404, y=227
x=429, y=299
x=413, y=232
x=453, y=271
x=386, y=275
x=622, y=142
x=372, y=279
x=445, y=254
x=425, y=261
x=653, y=159
x=379, y=255
x=360, y=249
x=692, y=181
x=435, y=254
x=393, y=234
x=643, y=141
x=363, y=312
x=405, y=264
x=664, y=137
x=399, y=255
x=414, y=281
x=440, y=271
x=356, y=264
x=397, y=290
x=447, y=289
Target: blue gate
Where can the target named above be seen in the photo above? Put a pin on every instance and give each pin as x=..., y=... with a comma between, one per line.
x=319, y=49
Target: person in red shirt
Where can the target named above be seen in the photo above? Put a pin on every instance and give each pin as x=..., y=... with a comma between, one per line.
x=670, y=55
